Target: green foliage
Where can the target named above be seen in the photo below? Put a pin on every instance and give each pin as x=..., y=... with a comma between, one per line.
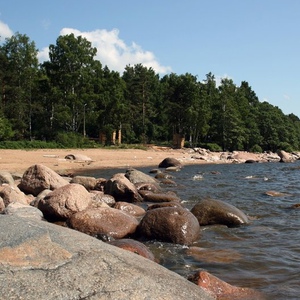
x=29, y=145
x=73, y=140
x=212, y=147
x=256, y=149
x=71, y=97
x=285, y=146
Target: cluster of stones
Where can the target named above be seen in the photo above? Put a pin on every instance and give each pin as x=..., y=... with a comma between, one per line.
x=121, y=211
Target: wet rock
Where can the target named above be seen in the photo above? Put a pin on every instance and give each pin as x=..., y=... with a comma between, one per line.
x=148, y=187
x=211, y=211
x=38, y=178
x=170, y=162
x=221, y=290
x=276, y=194
x=134, y=246
x=65, y=201
x=109, y=221
x=213, y=256
x=130, y=209
x=161, y=197
x=170, y=224
x=162, y=175
x=72, y=265
x=88, y=182
x=122, y=189
x=164, y=204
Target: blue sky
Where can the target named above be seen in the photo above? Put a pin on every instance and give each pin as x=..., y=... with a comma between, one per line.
x=257, y=41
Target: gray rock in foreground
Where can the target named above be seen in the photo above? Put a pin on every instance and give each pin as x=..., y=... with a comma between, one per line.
x=40, y=260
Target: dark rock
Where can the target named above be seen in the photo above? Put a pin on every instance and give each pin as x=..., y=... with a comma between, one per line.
x=94, y=221
x=122, y=189
x=44, y=261
x=134, y=246
x=222, y=290
x=161, y=197
x=170, y=162
x=210, y=211
x=136, y=176
x=170, y=224
x=38, y=178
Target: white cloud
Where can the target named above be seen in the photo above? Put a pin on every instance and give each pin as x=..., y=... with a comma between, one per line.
x=286, y=97
x=43, y=55
x=5, y=31
x=115, y=53
x=218, y=79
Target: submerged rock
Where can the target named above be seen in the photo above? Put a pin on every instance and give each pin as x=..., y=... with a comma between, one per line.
x=211, y=211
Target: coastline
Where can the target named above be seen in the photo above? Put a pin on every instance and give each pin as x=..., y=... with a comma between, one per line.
x=17, y=161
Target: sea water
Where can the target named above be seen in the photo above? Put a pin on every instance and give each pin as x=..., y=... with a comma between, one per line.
x=265, y=254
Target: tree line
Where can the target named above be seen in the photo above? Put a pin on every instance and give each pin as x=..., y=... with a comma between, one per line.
x=72, y=94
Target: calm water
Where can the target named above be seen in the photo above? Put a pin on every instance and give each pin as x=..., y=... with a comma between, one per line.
x=265, y=254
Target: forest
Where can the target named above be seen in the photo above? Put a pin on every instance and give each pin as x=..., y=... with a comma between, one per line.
x=72, y=97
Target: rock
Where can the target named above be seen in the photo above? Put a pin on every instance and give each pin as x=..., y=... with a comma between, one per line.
x=88, y=182
x=110, y=221
x=6, y=177
x=142, y=186
x=284, y=156
x=162, y=175
x=136, y=176
x=122, y=189
x=44, y=261
x=79, y=157
x=130, y=209
x=276, y=194
x=11, y=193
x=22, y=210
x=2, y=205
x=99, y=197
x=38, y=178
x=170, y=224
x=40, y=196
x=65, y=201
x=164, y=204
x=210, y=211
x=161, y=197
x=221, y=290
x=134, y=246
x=170, y=162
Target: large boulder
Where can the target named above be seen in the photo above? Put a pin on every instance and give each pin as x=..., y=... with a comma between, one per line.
x=170, y=224
x=161, y=197
x=44, y=261
x=38, y=178
x=170, y=162
x=22, y=210
x=104, y=220
x=65, y=201
x=285, y=157
x=211, y=211
x=122, y=189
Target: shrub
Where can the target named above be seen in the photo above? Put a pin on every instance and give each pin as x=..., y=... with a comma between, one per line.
x=256, y=149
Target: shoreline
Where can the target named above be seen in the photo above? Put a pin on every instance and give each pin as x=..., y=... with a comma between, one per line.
x=18, y=161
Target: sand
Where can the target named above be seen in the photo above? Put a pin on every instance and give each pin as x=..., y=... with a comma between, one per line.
x=17, y=161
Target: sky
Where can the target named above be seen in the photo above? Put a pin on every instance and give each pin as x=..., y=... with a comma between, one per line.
x=257, y=41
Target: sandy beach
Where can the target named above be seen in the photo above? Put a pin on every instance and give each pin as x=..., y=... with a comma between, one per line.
x=17, y=161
